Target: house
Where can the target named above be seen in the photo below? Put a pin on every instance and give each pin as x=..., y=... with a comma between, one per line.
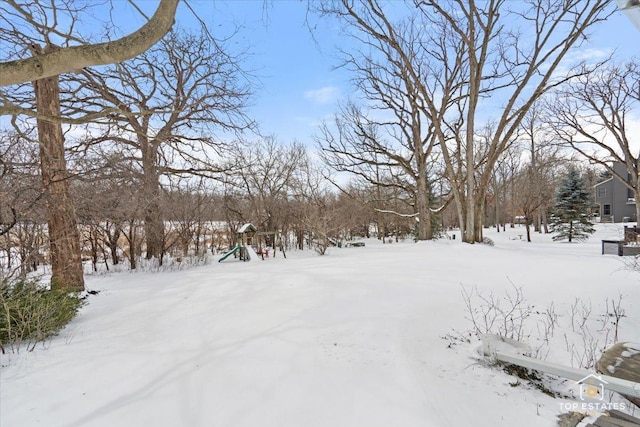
x=616, y=201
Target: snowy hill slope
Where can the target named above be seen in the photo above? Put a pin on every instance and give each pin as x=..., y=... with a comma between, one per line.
x=353, y=338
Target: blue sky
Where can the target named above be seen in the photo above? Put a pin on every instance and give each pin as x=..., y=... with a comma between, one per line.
x=294, y=68
x=299, y=85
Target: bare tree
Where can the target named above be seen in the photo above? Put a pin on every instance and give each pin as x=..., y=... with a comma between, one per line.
x=265, y=173
x=358, y=205
x=392, y=132
x=536, y=181
x=593, y=112
x=498, y=49
x=387, y=153
x=530, y=190
x=190, y=211
x=501, y=182
x=48, y=31
x=18, y=176
x=318, y=213
x=21, y=206
x=168, y=104
x=64, y=239
x=105, y=194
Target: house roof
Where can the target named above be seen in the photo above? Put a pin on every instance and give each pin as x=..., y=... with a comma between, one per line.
x=603, y=182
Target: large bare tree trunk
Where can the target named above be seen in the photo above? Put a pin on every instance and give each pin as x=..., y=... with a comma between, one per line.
x=425, y=231
x=64, y=239
x=478, y=218
x=469, y=232
x=153, y=221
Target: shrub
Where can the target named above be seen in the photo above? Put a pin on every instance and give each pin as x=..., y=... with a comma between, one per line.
x=30, y=313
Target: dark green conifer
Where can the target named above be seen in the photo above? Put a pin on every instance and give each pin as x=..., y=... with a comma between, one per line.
x=570, y=220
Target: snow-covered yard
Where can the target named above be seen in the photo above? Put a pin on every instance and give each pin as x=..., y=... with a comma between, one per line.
x=354, y=338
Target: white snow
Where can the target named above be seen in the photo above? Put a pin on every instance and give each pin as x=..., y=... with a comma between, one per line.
x=492, y=343
x=353, y=338
x=633, y=349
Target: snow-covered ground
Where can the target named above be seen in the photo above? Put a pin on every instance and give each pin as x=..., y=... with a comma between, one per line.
x=367, y=336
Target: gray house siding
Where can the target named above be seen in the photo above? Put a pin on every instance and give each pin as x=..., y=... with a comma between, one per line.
x=614, y=199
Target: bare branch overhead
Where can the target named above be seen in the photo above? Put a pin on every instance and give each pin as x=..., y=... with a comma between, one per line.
x=77, y=57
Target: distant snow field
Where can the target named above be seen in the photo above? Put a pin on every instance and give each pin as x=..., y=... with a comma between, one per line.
x=364, y=336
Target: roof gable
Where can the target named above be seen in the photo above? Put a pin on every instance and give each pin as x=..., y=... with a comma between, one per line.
x=247, y=227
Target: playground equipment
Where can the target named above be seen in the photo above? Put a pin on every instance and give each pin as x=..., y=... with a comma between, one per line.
x=243, y=248
x=247, y=237
x=235, y=249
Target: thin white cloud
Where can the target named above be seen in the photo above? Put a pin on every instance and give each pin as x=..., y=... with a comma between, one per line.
x=324, y=95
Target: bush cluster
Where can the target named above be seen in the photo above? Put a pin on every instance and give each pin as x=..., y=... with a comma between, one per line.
x=29, y=313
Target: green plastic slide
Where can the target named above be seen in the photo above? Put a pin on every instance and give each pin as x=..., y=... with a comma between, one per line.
x=231, y=252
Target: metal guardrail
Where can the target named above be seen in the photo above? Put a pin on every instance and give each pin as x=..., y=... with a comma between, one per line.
x=628, y=388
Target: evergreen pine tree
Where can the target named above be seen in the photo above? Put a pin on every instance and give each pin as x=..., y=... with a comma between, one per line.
x=571, y=216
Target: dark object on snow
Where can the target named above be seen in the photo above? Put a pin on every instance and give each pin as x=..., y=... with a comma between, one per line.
x=622, y=361
x=627, y=247
x=618, y=247
x=487, y=241
x=354, y=245
x=630, y=234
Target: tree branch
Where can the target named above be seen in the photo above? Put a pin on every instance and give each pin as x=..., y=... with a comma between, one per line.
x=77, y=57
